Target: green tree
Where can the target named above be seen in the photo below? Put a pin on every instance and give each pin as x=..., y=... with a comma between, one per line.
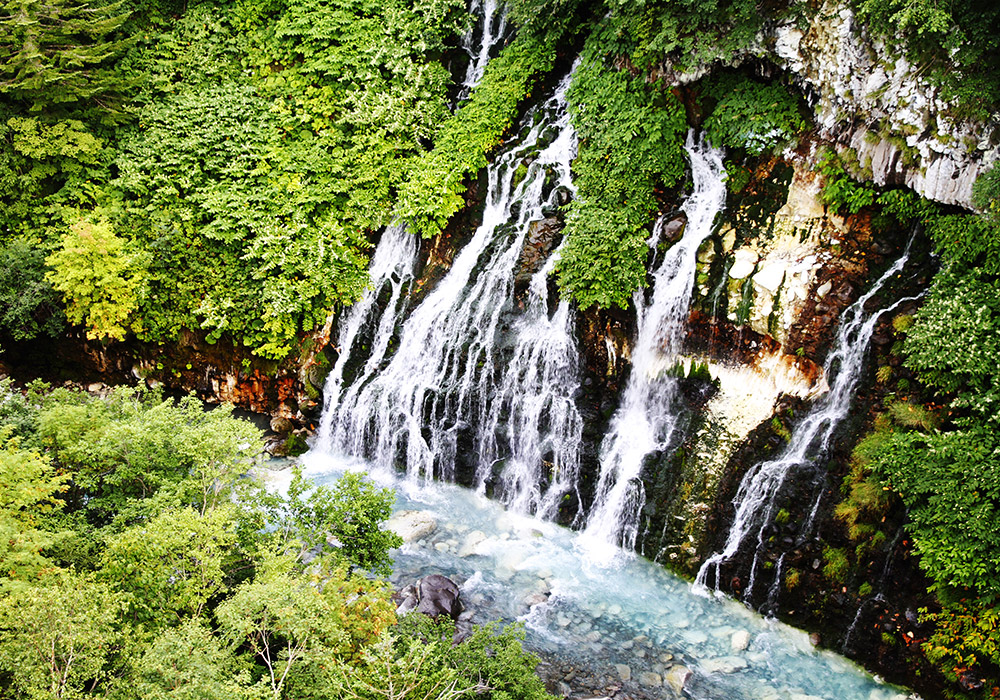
x=348, y=517
x=171, y=567
x=29, y=306
x=136, y=454
x=101, y=276
x=418, y=659
x=187, y=662
x=51, y=53
x=56, y=637
x=290, y=623
x=29, y=489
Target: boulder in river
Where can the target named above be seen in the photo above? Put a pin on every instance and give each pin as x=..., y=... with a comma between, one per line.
x=437, y=595
x=412, y=525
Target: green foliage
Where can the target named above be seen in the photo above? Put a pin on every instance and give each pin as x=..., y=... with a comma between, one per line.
x=57, y=635
x=54, y=53
x=491, y=663
x=403, y=668
x=102, y=280
x=955, y=44
x=29, y=306
x=631, y=143
x=912, y=415
x=688, y=32
x=840, y=190
x=749, y=115
x=188, y=579
x=986, y=193
x=171, y=567
x=836, y=565
x=967, y=240
x=136, y=454
x=28, y=492
x=187, y=662
x=966, y=635
x=433, y=191
x=949, y=483
x=45, y=162
x=293, y=626
x=347, y=517
x=954, y=341
x=268, y=140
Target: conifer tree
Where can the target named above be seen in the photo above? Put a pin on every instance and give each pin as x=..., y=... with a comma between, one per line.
x=52, y=52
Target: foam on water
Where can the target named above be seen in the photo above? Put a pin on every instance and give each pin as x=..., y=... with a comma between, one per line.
x=636, y=613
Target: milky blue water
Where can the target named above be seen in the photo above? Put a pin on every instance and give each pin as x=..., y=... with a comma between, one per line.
x=630, y=612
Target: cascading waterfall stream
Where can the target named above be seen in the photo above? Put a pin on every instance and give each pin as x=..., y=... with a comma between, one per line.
x=646, y=420
x=391, y=265
x=494, y=26
x=756, y=497
x=534, y=394
x=447, y=380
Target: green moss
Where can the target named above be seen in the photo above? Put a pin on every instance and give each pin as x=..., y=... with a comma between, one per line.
x=836, y=565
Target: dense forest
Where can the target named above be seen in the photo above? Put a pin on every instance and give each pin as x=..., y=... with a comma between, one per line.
x=143, y=556
x=223, y=168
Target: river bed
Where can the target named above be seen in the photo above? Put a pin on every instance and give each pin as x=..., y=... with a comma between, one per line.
x=626, y=624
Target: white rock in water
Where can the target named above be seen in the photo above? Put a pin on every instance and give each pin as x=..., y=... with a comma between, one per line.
x=504, y=573
x=740, y=640
x=677, y=676
x=412, y=525
x=824, y=289
x=650, y=679
x=471, y=543
x=726, y=664
x=624, y=672
x=442, y=547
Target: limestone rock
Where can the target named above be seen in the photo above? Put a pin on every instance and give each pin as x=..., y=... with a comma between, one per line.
x=648, y=678
x=471, y=544
x=725, y=664
x=740, y=640
x=676, y=677
x=412, y=525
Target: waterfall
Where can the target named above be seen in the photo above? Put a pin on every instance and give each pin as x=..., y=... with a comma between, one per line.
x=756, y=496
x=391, y=268
x=646, y=420
x=536, y=394
x=494, y=25
x=448, y=382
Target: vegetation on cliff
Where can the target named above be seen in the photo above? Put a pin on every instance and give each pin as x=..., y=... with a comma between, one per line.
x=220, y=166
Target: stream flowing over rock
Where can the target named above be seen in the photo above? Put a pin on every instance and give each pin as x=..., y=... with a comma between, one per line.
x=561, y=466
x=626, y=428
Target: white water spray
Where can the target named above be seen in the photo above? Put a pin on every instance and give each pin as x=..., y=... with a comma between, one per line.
x=756, y=497
x=647, y=419
x=391, y=266
x=449, y=380
x=494, y=26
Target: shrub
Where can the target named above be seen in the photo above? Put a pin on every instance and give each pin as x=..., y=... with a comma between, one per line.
x=749, y=115
x=29, y=305
x=631, y=135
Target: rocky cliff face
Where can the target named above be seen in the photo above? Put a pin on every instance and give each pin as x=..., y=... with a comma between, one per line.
x=869, y=100
x=879, y=105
